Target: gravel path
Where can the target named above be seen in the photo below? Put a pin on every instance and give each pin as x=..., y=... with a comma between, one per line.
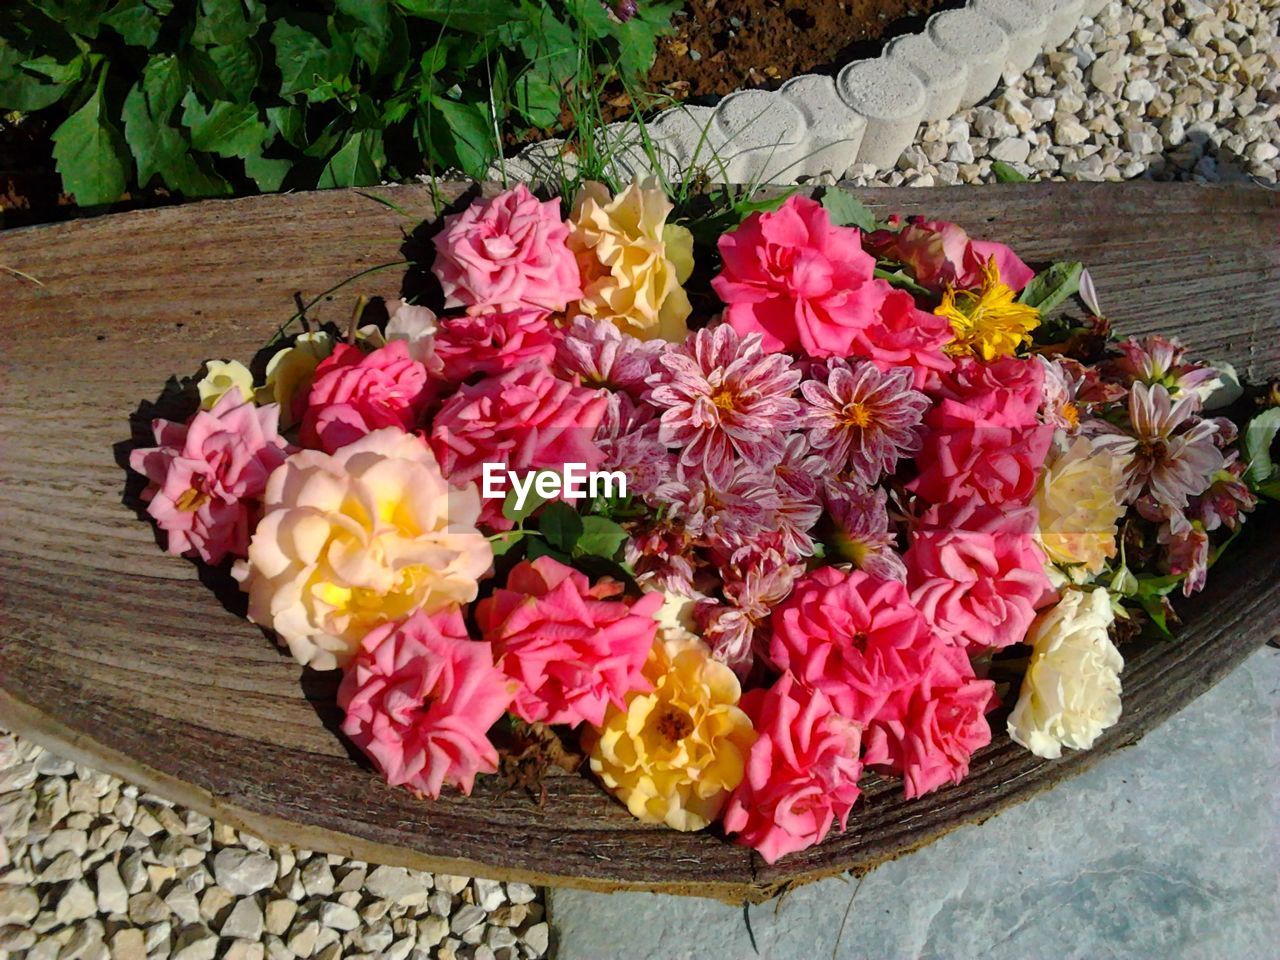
x=91, y=867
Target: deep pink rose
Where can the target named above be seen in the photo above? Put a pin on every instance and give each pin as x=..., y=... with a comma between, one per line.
x=800, y=281
x=979, y=589
x=802, y=772
x=526, y=419
x=853, y=636
x=493, y=343
x=1009, y=390
x=208, y=474
x=572, y=649
x=902, y=335
x=935, y=727
x=939, y=253
x=354, y=393
x=507, y=253
x=419, y=699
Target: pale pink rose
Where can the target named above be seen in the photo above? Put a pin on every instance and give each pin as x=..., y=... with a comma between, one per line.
x=493, y=343
x=801, y=282
x=419, y=698
x=355, y=393
x=932, y=732
x=940, y=254
x=507, y=253
x=573, y=648
x=208, y=474
x=855, y=637
x=802, y=771
x=526, y=419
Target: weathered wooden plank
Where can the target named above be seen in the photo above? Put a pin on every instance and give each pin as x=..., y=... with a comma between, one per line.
x=115, y=653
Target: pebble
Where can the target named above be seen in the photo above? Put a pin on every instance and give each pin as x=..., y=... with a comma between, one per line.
x=279, y=914
x=244, y=872
x=18, y=905
x=339, y=916
x=244, y=922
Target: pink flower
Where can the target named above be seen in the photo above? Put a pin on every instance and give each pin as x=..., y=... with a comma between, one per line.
x=940, y=254
x=419, y=699
x=601, y=355
x=802, y=771
x=572, y=650
x=979, y=588
x=356, y=393
x=853, y=636
x=493, y=343
x=936, y=727
x=860, y=516
x=721, y=395
x=628, y=438
x=863, y=420
x=662, y=556
x=526, y=419
x=1186, y=547
x=799, y=281
x=1157, y=360
x=1009, y=390
x=207, y=474
x=1227, y=500
x=507, y=253
x=754, y=582
x=902, y=335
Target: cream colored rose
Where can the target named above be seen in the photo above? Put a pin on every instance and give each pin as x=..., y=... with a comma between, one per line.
x=1071, y=691
x=351, y=540
x=632, y=261
x=1078, y=500
x=290, y=372
x=219, y=378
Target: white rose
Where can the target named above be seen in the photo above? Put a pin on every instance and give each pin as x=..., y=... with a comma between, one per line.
x=1071, y=692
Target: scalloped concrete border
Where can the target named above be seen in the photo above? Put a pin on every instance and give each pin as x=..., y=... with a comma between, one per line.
x=813, y=125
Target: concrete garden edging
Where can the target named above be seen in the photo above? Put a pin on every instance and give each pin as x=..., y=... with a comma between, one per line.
x=814, y=124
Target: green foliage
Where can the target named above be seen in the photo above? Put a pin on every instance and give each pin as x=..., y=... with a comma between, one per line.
x=1052, y=287
x=1005, y=173
x=846, y=210
x=1263, y=474
x=210, y=97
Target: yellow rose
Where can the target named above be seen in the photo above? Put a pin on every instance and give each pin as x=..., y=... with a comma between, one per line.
x=291, y=370
x=1078, y=499
x=673, y=756
x=632, y=261
x=351, y=540
x=219, y=378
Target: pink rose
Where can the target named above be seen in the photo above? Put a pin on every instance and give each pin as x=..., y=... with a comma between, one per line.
x=419, y=699
x=979, y=589
x=853, y=636
x=526, y=419
x=802, y=771
x=207, y=474
x=940, y=254
x=507, y=253
x=803, y=283
x=1009, y=390
x=355, y=393
x=572, y=649
x=902, y=335
x=493, y=343
x=931, y=733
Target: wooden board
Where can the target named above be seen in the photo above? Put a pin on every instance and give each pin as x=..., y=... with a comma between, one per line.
x=117, y=655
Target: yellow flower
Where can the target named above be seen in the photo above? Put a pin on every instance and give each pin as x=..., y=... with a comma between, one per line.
x=352, y=540
x=1078, y=500
x=291, y=370
x=988, y=323
x=632, y=261
x=673, y=756
x=219, y=378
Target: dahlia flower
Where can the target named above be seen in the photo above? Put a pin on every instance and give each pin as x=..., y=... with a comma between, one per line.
x=802, y=771
x=507, y=253
x=988, y=323
x=628, y=438
x=220, y=378
x=721, y=395
x=632, y=261
x=492, y=343
x=1079, y=503
x=754, y=582
x=572, y=648
x=798, y=280
x=675, y=754
x=1227, y=500
x=207, y=475
x=526, y=419
x=863, y=420
x=418, y=700
x=351, y=540
x=1186, y=551
x=601, y=355
x=661, y=554
x=353, y=393
x=1158, y=360
x=1061, y=384
x=940, y=254
x=860, y=516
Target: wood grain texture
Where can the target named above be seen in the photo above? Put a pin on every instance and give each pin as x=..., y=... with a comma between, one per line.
x=118, y=655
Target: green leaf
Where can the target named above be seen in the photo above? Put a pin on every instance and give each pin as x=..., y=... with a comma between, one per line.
x=164, y=83
x=135, y=21
x=227, y=129
x=290, y=122
x=380, y=38
x=470, y=16
x=560, y=525
x=600, y=537
x=305, y=57
x=237, y=66
x=846, y=210
x=537, y=100
x=1005, y=173
x=90, y=152
x=467, y=132
x=538, y=547
x=1051, y=287
x=267, y=172
x=161, y=150
x=504, y=542
x=532, y=501
x=226, y=22
x=899, y=278
x=1259, y=435
x=21, y=89
x=357, y=163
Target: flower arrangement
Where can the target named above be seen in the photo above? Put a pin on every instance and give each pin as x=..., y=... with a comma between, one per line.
x=869, y=489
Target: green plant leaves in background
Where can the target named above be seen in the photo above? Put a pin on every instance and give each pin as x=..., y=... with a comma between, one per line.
x=90, y=152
